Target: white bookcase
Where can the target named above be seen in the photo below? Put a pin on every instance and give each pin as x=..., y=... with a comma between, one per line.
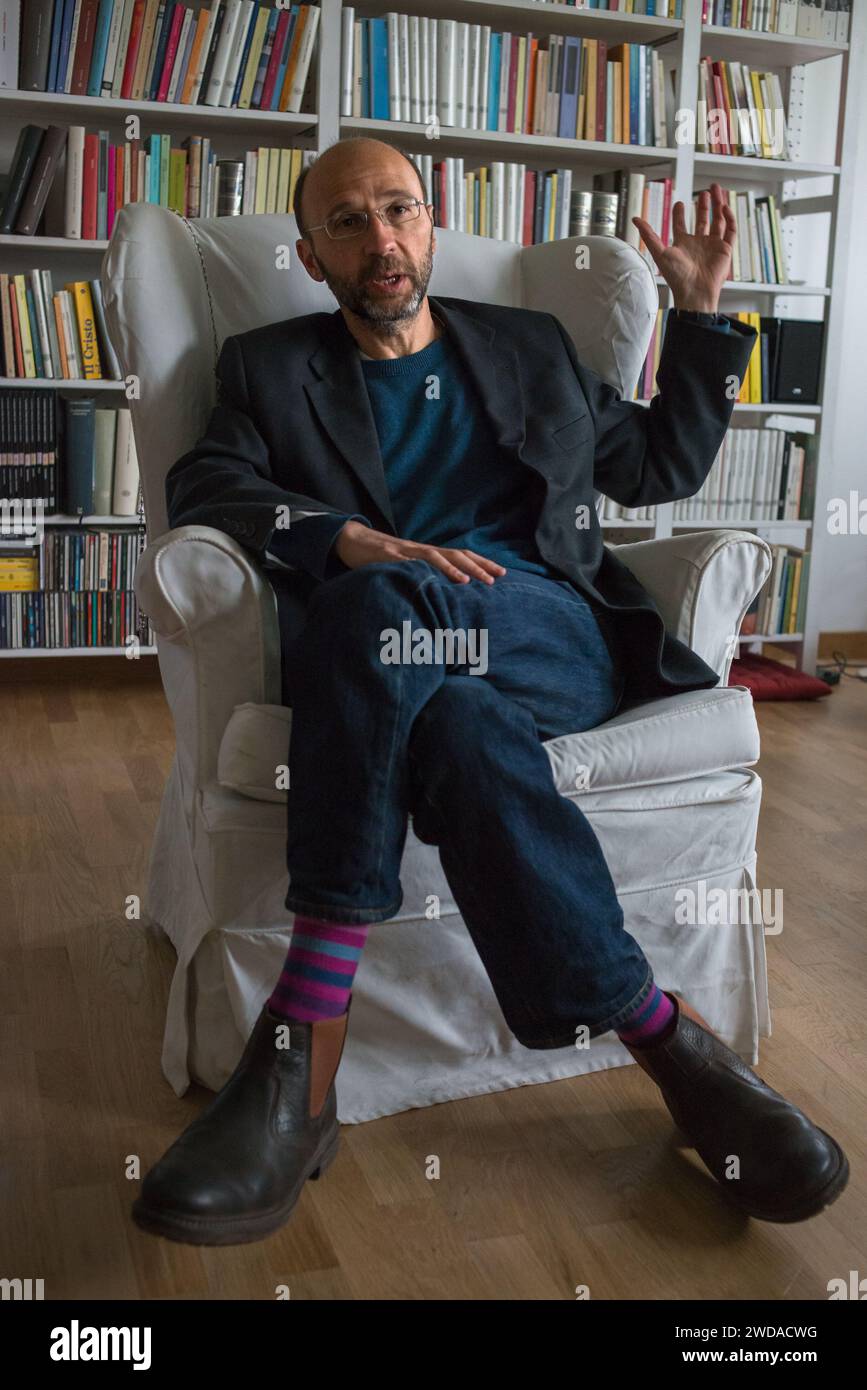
x=683, y=42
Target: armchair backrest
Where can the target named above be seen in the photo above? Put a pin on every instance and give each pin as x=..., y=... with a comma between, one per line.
x=174, y=289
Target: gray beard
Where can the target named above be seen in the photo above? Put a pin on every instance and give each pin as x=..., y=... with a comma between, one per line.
x=387, y=318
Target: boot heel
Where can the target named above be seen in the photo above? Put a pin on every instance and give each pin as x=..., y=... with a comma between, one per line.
x=326, y=1161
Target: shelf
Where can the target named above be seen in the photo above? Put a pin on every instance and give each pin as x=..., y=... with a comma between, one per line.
x=60, y=519
x=772, y=408
x=741, y=166
x=761, y=287
x=107, y=112
x=75, y=651
x=618, y=525
x=764, y=50
x=525, y=15
x=51, y=243
x=771, y=637
x=498, y=144
x=63, y=383
x=734, y=525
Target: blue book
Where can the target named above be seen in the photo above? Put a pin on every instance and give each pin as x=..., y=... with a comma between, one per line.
x=568, y=117
x=34, y=331
x=100, y=45
x=365, y=67
x=254, y=19
x=284, y=59
x=154, y=147
x=159, y=60
x=65, y=38
x=634, y=93
x=78, y=457
x=102, y=185
x=54, y=50
x=185, y=61
x=494, y=81
x=378, y=68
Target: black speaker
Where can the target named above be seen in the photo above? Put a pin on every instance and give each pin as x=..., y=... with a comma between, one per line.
x=795, y=355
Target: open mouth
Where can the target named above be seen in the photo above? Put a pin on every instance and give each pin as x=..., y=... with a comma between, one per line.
x=388, y=282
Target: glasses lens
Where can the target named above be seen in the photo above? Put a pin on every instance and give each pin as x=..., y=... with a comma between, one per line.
x=345, y=224
x=402, y=212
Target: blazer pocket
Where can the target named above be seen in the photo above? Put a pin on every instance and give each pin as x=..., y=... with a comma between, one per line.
x=574, y=432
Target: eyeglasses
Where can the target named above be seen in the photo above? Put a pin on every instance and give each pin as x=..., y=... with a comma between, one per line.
x=347, y=224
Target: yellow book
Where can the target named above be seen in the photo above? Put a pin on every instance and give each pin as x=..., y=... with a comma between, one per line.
x=202, y=24
x=552, y=210
x=760, y=105
x=273, y=172
x=284, y=168
x=178, y=181
x=24, y=325
x=519, y=84
x=295, y=170
x=470, y=181
x=590, y=90
x=618, y=102
x=18, y=573
x=80, y=291
x=483, y=200
x=756, y=321
x=743, y=397
x=252, y=68
x=582, y=85
x=261, y=180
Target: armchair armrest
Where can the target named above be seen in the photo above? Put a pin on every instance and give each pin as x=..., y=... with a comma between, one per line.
x=218, y=638
x=702, y=582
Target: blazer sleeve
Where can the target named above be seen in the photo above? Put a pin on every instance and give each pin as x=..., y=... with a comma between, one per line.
x=225, y=481
x=645, y=454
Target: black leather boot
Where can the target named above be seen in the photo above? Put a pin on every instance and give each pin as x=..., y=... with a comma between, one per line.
x=789, y=1168
x=236, y=1173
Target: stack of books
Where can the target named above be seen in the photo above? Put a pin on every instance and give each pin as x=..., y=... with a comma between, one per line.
x=812, y=19
x=740, y=111
x=232, y=53
x=758, y=253
x=56, y=335
x=758, y=475
x=452, y=73
x=93, y=179
x=780, y=604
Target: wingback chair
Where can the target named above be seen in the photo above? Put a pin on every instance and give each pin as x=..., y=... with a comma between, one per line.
x=667, y=786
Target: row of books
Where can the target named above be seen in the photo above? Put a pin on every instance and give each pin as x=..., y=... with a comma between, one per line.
x=56, y=620
x=812, y=19
x=232, y=53
x=55, y=334
x=93, y=179
x=780, y=605
x=72, y=559
x=784, y=366
x=739, y=111
x=758, y=475
x=401, y=67
x=74, y=456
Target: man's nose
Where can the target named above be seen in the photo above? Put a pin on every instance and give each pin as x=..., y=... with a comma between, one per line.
x=379, y=236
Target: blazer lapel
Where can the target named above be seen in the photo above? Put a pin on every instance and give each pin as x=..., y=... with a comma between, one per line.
x=494, y=370
x=339, y=397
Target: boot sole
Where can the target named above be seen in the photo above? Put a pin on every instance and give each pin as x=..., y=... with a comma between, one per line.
x=234, y=1230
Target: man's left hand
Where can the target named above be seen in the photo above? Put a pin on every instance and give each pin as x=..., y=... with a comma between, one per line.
x=695, y=265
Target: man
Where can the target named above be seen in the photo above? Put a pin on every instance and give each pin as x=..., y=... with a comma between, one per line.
x=436, y=460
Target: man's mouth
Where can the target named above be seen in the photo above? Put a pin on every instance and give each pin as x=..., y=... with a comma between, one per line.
x=388, y=282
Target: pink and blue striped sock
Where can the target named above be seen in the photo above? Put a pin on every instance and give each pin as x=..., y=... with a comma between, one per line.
x=317, y=975
x=653, y=1020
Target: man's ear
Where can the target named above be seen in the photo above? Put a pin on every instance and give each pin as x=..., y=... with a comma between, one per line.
x=307, y=260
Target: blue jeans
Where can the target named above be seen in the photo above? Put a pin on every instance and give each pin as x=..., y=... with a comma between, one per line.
x=374, y=741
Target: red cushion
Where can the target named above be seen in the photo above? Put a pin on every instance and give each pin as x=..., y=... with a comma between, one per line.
x=771, y=680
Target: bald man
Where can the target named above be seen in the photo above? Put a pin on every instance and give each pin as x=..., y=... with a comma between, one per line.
x=442, y=614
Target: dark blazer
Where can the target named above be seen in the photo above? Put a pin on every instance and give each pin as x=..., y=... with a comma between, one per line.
x=293, y=427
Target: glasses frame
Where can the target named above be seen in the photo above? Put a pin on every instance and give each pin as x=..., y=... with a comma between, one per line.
x=380, y=211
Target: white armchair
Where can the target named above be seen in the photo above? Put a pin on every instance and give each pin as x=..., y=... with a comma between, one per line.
x=669, y=793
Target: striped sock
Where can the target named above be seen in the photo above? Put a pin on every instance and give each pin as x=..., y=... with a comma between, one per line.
x=654, y=1019
x=317, y=975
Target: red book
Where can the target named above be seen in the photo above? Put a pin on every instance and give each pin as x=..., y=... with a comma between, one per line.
x=171, y=51
x=513, y=85
x=16, y=330
x=111, y=191
x=666, y=212
x=89, y=184
x=84, y=47
x=529, y=205
x=274, y=62
x=601, y=94
x=132, y=49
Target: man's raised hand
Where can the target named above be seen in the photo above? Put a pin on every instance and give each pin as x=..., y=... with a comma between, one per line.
x=695, y=265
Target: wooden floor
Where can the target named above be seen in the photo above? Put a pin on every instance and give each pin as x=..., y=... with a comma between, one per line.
x=544, y=1188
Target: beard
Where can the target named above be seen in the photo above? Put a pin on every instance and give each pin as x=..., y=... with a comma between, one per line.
x=385, y=315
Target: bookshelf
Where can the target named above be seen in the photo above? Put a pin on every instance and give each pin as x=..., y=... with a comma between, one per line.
x=681, y=42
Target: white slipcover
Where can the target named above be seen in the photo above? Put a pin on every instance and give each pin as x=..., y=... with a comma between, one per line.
x=671, y=795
